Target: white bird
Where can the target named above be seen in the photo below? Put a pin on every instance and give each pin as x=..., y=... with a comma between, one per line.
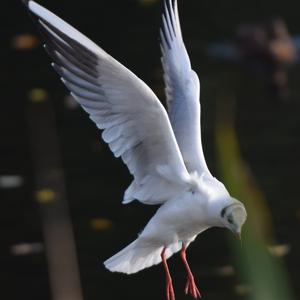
x=162, y=151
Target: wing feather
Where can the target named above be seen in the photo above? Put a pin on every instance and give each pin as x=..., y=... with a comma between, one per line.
x=135, y=124
x=182, y=90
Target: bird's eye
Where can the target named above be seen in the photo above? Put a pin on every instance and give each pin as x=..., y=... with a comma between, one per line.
x=230, y=220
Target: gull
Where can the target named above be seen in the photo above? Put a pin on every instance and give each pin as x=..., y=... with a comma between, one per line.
x=162, y=150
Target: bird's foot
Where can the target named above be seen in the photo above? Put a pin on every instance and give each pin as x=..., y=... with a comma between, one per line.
x=191, y=288
x=170, y=290
x=169, y=284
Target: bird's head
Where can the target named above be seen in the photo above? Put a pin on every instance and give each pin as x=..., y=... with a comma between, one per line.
x=234, y=216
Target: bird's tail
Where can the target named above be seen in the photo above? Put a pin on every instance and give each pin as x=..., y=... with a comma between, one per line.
x=137, y=256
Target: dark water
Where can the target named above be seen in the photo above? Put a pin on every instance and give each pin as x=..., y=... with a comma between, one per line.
x=268, y=133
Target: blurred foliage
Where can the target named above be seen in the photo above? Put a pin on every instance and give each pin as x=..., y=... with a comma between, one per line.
x=263, y=275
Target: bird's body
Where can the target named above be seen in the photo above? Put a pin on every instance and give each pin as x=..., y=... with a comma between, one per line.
x=181, y=219
x=162, y=150
x=178, y=221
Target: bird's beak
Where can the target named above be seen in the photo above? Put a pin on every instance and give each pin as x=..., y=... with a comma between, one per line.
x=238, y=234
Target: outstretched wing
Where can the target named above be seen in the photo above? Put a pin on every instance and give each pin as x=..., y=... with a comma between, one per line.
x=134, y=123
x=182, y=90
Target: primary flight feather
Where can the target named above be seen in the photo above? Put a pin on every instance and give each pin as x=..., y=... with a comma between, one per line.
x=163, y=151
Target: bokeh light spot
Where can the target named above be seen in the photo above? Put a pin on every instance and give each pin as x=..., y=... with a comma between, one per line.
x=225, y=271
x=11, y=181
x=38, y=95
x=279, y=250
x=26, y=248
x=45, y=196
x=100, y=224
x=242, y=289
x=25, y=42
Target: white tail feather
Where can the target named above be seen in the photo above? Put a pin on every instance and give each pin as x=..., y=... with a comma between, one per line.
x=138, y=256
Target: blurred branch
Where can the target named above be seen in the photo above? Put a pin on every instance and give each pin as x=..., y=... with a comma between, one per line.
x=51, y=196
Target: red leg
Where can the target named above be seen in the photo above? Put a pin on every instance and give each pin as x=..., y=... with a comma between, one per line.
x=169, y=285
x=190, y=287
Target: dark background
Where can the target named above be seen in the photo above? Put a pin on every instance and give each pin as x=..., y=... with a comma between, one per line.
x=268, y=133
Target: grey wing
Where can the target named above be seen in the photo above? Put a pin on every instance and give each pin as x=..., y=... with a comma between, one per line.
x=135, y=124
x=182, y=90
